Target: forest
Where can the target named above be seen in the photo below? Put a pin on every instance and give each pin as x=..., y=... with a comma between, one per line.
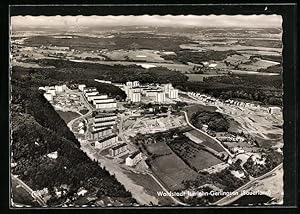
x=215, y=120
x=185, y=55
x=265, y=90
x=37, y=130
x=116, y=73
x=272, y=159
x=126, y=41
x=223, y=179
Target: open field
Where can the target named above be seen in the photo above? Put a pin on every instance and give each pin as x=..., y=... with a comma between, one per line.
x=274, y=184
x=172, y=66
x=168, y=167
x=267, y=143
x=158, y=149
x=150, y=186
x=135, y=55
x=209, y=143
x=193, y=155
x=264, y=127
x=171, y=170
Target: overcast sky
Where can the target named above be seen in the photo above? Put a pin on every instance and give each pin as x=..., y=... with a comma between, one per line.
x=146, y=20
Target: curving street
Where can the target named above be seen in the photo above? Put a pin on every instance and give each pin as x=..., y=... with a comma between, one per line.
x=212, y=138
x=39, y=200
x=231, y=198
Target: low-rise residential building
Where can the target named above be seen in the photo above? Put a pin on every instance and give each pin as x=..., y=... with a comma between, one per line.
x=118, y=149
x=93, y=97
x=101, y=124
x=133, y=159
x=274, y=110
x=204, y=127
x=101, y=132
x=91, y=93
x=106, y=141
x=106, y=100
x=89, y=89
x=105, y=117
x=106, y=105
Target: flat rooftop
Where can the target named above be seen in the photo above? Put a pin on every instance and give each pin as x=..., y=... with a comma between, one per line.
x=100, y=130
x=104, y=121
x=118, y=146
x=107, y=138
x=97, y=103
x=104, y=115
x=133, y=155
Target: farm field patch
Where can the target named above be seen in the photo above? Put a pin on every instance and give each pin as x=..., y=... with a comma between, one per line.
x=168, y=167
x=150, y=187
x=171, y=170
x=206, y=142
x=193, y=155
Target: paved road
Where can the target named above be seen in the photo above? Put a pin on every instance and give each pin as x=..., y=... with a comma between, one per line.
x=29, y=190
x=213, y=138
x=176, y=201
x=90, y=108
x=231, y=198
x=138, y=192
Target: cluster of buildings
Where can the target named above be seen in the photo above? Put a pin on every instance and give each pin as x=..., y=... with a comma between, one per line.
x=105, y=120
x=230, y=102
x=100, y=101
x=231, y=138
x=81, y=127
x=104, y=134
x=60, y=100
x=135, y=91
x=105, y=137
x=51, y=91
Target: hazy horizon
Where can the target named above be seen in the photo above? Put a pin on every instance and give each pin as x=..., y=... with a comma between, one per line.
x=247, y=21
